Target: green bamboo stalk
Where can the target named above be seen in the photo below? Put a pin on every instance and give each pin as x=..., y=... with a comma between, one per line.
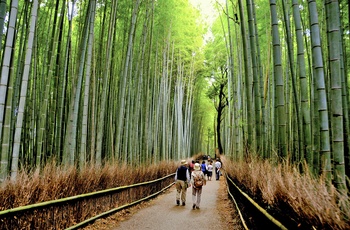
x=247, y=79
x=335, y=50
x=24, y=88
x=279, y=84
x=303, y=83
x=318, y=72
x=5, y=75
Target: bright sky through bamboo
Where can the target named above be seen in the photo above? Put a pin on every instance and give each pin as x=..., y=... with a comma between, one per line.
x=207, y=9
x=208, y=12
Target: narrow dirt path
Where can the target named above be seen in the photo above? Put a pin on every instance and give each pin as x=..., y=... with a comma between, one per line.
x=162, y=212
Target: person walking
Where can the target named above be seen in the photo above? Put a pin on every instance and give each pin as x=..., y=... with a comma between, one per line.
x=217, y=168
x=197, y=181
x=204, y=168
x=210, y=170
x=191, y=167
x=182, y=180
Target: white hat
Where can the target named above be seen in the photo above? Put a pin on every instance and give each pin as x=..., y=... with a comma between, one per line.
x=197, y=167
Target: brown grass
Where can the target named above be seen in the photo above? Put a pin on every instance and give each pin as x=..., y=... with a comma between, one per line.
x=286, y=191
x=57, y=182
x=280, y=188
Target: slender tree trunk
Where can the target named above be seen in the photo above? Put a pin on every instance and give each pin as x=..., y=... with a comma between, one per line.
x=85, y=113
x=247, y=80
x=72, y=125
x=2, y=18
x=318, y=72
x=303, y=83
x=61, y=86
x=103, y=104
x=253, y=50
x=335, y=50
x=6, y=61
x=5, y=75
x=21, y=108
x=9, y=112
x=124, y=78
x=279, y=83
x=44, y=136
x=293, y=81
x=230, y=86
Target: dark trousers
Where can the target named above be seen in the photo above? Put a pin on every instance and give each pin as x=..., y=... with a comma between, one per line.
x=217, y=173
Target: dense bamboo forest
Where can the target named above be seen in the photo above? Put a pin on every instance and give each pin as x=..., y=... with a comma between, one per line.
x=144, y=81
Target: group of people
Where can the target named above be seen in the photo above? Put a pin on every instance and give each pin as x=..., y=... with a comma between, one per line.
x=194, y=174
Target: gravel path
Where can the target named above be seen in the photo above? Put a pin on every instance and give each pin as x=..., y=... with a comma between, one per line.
x=163, y=213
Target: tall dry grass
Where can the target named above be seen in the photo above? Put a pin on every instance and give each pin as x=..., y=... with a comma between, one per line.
x=276, y=187
x=55, y=182
x=283, y=189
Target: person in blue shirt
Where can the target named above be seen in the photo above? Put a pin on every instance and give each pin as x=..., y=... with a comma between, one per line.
x=182, y=181
x=204, y=168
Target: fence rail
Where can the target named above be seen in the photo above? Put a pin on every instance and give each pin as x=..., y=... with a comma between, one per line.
x=253, y=216
x=73, y=212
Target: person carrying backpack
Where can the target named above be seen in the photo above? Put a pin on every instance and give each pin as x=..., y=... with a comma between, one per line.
x=182, y=179
x=197, y=181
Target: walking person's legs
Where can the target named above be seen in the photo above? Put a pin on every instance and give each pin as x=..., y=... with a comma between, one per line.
x=183, y=193
x=178, y=191
x=199, y=195
x=194, y=197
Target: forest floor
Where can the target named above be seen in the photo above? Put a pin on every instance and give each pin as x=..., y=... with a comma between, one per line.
x=161, y=212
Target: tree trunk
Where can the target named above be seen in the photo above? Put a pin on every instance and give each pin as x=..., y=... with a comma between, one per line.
x=303, y=83
x=21, y=108
x=322, y=108
x=335, y=50
x=279, y=84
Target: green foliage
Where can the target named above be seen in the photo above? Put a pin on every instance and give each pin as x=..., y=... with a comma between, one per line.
x=179, y=19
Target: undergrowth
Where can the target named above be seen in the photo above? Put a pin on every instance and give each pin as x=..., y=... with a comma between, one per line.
x=283, y=189
x=57, y=182
x=280, y=188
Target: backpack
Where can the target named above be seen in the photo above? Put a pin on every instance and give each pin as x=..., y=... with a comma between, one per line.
x=198, y=183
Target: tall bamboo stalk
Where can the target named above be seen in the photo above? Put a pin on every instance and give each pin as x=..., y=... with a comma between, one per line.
x=318, y=72
x=335, y=49
x=303, y=85
x=103, y=102
x=279, y=84
x=24, y=88
x=83, y=147
x=247, y=79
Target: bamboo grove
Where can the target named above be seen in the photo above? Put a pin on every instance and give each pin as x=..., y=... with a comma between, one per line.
x=130, y=81
x=96, y=81
x=287, y=74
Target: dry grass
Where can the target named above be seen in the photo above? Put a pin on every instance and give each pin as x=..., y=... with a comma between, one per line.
x=57, y=182
x=280, y=188
x=284, y=190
